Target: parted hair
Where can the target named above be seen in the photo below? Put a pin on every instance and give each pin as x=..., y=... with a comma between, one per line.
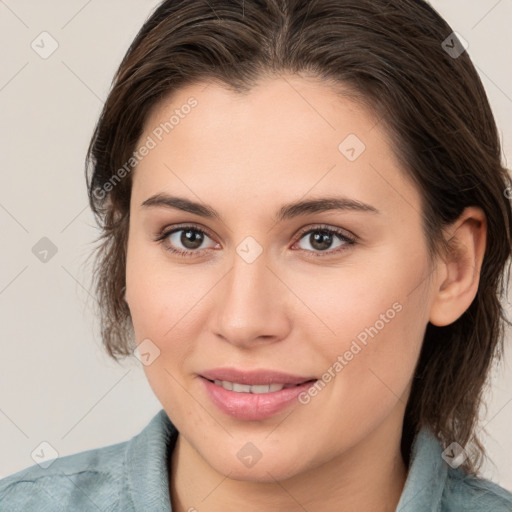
x=398, y=57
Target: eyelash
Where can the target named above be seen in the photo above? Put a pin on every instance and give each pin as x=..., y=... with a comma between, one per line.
x=161, y=238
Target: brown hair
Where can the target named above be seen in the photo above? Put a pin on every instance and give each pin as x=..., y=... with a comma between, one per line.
x=392, y=56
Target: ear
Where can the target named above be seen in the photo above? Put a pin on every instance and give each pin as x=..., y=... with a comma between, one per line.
x=458, y=271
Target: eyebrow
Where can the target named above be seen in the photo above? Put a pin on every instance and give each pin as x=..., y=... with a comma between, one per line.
x=286, y=212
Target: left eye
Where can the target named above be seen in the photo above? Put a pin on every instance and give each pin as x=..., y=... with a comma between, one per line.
x=322, y=239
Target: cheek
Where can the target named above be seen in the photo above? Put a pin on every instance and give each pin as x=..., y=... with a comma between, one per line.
x=155, y=292
x=164, y=308
x=378, y=319
x=362, y=303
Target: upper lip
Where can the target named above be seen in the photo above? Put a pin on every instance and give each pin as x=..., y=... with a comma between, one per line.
x=253, y=377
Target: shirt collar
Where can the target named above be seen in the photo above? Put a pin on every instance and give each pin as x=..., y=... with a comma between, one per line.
x=146, y=468
x=148, y=454
x=424, y=485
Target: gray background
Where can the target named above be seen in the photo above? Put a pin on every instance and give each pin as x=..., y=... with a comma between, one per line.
x=56, y=383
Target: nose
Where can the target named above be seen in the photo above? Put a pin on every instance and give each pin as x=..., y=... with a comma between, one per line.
x=251, y=305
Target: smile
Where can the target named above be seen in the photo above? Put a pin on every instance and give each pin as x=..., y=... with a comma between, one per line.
x=253, y=395
x=245, y=388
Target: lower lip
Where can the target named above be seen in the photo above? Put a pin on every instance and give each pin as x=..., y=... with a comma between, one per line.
x=253, y=406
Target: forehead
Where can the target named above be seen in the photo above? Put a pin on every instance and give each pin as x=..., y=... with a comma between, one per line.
x=285, y=137
x=288, y=109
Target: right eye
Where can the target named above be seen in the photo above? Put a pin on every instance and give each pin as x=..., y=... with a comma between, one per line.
x=189, y=237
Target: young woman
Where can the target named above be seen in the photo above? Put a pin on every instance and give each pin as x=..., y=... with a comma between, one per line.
x=305, y=231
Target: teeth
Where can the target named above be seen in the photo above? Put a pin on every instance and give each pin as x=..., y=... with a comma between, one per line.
x=241, y=388
x=226, y=385
x=261, y=388
x=245, y=388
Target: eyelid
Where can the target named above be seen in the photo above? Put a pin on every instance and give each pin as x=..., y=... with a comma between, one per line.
x=327, y=227
x=168, y=230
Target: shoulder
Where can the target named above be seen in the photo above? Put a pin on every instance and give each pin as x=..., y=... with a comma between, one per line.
x=88, y=480
x=128, y=476
x=469, y=493
x=435, y=483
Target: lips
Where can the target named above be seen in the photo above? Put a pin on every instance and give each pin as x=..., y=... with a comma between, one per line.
x=255, y=377
x=253, y=395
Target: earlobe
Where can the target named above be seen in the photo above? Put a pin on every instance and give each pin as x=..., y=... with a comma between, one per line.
x=458, y=284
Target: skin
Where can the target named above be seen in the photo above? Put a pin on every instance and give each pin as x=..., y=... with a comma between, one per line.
x=246, y=156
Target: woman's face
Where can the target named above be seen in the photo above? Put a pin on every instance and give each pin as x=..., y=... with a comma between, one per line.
x=261, y=290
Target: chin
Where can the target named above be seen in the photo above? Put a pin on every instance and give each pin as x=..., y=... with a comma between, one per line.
x=262, y=473
x=269, y=467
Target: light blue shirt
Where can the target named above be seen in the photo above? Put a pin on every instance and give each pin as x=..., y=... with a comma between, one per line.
x=132, y=476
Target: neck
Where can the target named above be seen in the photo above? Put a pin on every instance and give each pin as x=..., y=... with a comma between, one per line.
x=370, y=477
